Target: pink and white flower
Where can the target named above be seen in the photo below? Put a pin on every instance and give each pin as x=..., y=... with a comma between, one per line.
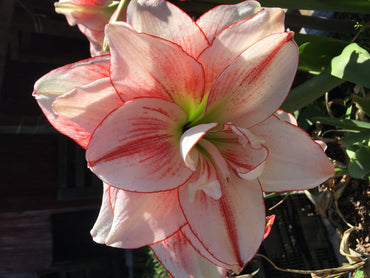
x=181, y=123
x=90, y=16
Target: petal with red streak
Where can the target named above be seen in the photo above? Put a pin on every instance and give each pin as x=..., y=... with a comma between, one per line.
x=163, y=19
x=182, y=261
x=88, y=105
x=194, y=241
x=62, y=80
x=147, y=66
x=132, y=220
x=220, y=17
x=137, y=146
x=295, y=161
x=256, y=83
x=237, y=38
x=231, y=228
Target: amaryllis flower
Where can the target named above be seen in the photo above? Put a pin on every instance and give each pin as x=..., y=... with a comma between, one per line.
x=90, y=16
x=181, y=123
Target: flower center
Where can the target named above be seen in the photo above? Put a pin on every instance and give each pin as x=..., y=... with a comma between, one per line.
x=216, y=154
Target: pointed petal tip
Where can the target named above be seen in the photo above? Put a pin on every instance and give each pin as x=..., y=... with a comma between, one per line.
x=290, y=36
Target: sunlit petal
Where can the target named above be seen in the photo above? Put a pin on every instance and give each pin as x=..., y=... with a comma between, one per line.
x=256, y=83
x=237, y=38
x=232, y=227
x=220, y=17
x=61, y=81
x=295, y=161
x=131, y=220
x=147, y=66
x=88, y=105
x=163, y=19
x=182, y=261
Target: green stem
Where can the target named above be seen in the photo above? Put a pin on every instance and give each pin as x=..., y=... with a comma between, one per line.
x=275, y=194
x=120, y=13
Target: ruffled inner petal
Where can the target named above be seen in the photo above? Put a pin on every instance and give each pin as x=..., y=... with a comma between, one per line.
x=189, y=139
x=244, y=152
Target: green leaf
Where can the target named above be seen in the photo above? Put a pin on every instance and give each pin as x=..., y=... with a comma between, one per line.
x=309, y=91
x=346, y=61
x=362, y=103
x=356, y=137
x=344, y=123
x=358, y=6
x=359, y=273
x=305, y=117
x=353, y=65
x=316, y=52
x=359, y=165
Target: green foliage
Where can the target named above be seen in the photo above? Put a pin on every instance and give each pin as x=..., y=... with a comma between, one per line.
x=344, y=123
x=359, y=6
x=359, y=155
x=158, y=269
x=353, y=65
x=305, y=117
x=359, y=273
x=362, y=103
x=309, y=91
x=317, y=52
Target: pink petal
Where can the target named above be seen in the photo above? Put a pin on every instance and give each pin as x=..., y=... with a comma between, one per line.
x=189, y=139
x=90, y=14
x=241, y=150
x=137, y=148
x=143, y=65
x=88, y=105
x=182, y=261
x=220, y=17
x=88, y=3
x=286, y=117
x=103, y=224
x=295, y=161
x=194, y=241
x=91, y=18
x=63, y=80
x=96, y=39
x=256, y=83
x=206, y=179
x=163, y=19
x=132, y=220
x=238, y=37
x=231, y=228
x=322, y=144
